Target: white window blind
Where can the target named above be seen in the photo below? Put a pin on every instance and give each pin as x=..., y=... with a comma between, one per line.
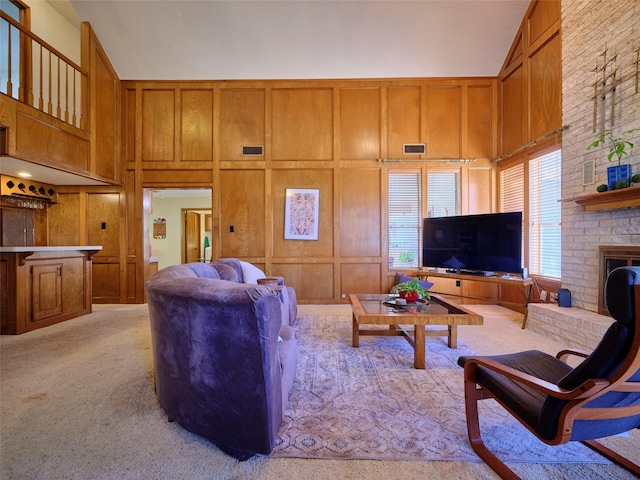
x=512, y=189
x=443, y=194
x=544, y=215
x=405, y=218
x=512, y=193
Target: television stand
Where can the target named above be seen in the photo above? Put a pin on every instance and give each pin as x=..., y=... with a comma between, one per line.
x=524, y=285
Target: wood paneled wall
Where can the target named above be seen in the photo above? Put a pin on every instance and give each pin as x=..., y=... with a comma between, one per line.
x=531, y=79
x=325, y=134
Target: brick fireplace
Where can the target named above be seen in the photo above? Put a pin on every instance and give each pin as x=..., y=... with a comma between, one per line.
x=612, y=257
x=616, y=229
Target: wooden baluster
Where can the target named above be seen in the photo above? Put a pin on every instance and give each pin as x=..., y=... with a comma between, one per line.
x=41, y=99
x=58, y=109
x=73, y=116
x=50, y=105
x=9, y=82
x=66, y=92
x=31, y=98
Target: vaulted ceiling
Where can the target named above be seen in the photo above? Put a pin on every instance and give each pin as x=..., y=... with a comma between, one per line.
x=303, y=39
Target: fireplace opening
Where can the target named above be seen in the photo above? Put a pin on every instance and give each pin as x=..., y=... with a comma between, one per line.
x=612, y=257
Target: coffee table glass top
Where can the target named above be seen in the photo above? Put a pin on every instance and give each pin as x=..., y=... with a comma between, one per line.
x=385, y=305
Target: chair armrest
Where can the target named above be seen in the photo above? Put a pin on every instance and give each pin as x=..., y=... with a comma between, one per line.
x=563, y=354
x=585, y=390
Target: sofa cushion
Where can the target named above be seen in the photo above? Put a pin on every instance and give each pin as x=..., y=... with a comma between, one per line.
x=251, y=273
x=233, y=263
x=226, y=272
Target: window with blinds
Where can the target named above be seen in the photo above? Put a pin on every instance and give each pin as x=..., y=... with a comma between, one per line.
x=405, y=218
x=544, y=214
x=443, y=194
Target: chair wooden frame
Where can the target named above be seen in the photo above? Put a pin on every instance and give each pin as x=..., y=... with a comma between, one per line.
x=572, y=411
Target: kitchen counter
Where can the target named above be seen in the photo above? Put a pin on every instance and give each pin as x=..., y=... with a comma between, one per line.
x=44, y=285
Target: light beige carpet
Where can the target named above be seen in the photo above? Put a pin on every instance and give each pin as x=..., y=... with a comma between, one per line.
x=77, y=402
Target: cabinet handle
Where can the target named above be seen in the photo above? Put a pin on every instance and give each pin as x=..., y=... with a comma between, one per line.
x=59, y=271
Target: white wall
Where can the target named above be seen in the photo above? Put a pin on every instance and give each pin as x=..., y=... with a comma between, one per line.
x=169, y=249
x=55, y=29
x=588, y=27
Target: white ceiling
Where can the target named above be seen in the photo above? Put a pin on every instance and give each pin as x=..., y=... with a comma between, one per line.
x=303, y=39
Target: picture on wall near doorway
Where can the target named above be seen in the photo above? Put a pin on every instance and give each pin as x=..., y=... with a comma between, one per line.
x=160, y=228
x=301, y=214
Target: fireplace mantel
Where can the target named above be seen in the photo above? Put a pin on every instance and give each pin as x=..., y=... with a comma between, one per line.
x=612, y=200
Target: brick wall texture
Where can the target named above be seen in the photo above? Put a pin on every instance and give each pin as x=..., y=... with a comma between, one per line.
x=588, y=28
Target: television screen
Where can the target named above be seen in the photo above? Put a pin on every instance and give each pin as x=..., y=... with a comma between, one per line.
x=480, y=244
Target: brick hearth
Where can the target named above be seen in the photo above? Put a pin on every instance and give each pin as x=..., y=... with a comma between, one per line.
x=576, y=327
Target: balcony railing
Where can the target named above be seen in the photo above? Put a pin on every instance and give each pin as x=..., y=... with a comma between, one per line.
x=35, y=73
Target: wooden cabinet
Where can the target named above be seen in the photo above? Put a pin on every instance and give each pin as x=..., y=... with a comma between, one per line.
x=46, y=289
x=43, y=286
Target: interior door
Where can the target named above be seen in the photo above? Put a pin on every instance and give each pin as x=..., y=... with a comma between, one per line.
x=192, y=251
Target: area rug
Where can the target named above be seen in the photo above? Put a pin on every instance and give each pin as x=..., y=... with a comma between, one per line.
x=371, y=403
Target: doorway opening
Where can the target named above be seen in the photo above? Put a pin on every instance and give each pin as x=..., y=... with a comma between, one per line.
x=178, y=225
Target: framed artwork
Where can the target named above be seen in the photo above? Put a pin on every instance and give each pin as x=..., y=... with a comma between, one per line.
x=301, y=214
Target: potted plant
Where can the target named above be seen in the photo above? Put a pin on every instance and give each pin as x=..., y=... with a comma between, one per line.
x=411, y=290
x=618, y=176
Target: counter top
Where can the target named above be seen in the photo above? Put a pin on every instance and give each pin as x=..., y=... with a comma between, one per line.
x=50, y=249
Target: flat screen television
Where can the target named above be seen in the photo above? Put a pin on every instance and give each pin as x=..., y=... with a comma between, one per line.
x=476, y=244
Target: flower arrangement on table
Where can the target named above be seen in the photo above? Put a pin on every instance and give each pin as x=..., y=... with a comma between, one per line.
x=411, y=291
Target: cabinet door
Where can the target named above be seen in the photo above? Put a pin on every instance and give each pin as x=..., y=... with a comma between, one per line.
x=46, y=288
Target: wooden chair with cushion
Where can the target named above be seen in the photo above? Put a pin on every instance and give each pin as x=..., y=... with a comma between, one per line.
x=557, y=403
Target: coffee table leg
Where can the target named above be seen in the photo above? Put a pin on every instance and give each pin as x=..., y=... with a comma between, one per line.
x=418, y=348
x=453, y=336
x=355, y=333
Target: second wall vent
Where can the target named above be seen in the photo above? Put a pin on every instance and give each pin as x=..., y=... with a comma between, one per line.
x=252, y=150
x=414, y=148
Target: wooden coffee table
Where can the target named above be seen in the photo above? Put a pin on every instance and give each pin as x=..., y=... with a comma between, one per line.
x=375, y=310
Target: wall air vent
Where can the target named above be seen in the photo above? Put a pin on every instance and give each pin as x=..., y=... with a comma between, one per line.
x=589, y=172
x=414, y=148
x=252, y=150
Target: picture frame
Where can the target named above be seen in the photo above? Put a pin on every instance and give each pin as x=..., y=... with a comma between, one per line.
x=301, y=213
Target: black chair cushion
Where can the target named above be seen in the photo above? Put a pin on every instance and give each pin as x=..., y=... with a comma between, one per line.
x=619, y=294
x=525, y=402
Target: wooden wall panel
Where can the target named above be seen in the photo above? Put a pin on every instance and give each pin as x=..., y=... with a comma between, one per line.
x=186, y=178
x=105, y=139
x=196, y=124
x=41, y=141
x=64, y=221
x=545, y=93
x=542, y=16
x=129, y=124
x=404, y=114
x=302, y=124
x=480, y=126
x=514, y=118
x=444, y=121
x=158, y=125
x=103, y=223
x=360, y=208
x=132, y=281
x=313, y=281
x=360, y=123
x=479, y=190
x=242, y=122
x=242, y=203
x=321, y=179
x=105, y=282
x=360, y=278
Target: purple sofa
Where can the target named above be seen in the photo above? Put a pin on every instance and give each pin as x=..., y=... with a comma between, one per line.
x=224, y=359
